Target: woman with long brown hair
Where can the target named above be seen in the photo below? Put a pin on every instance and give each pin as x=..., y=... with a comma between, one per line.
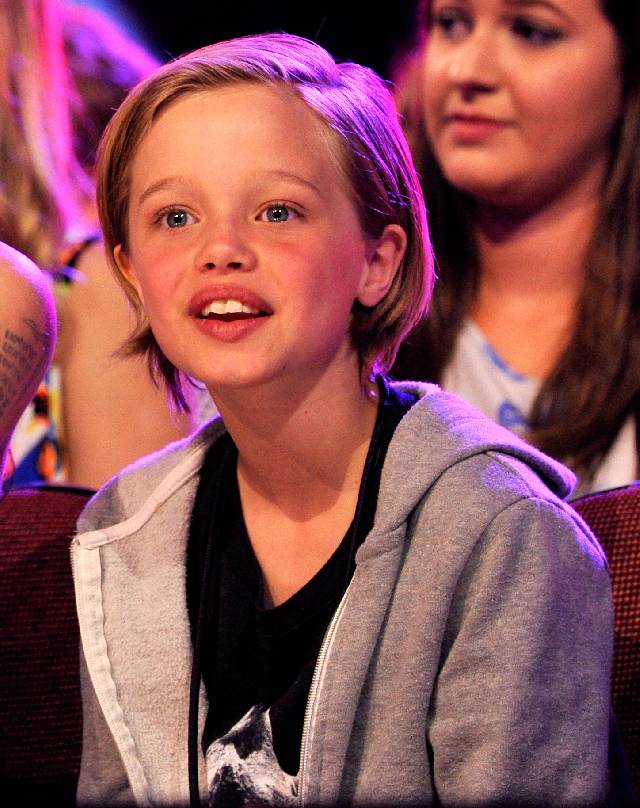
x=524, y=121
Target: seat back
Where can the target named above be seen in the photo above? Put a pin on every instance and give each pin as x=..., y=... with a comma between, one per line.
x=40, y=711
x=614, y=517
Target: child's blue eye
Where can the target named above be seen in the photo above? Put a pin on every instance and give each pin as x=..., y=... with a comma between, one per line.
x=278, y=212
x=176, y=218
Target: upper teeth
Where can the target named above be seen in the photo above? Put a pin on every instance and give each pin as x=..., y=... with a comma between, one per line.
x=228, y=307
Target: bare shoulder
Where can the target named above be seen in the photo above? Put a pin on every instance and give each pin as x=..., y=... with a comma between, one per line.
x=96, y=280
x=25, y=290
x=27, y=309
x=97, y=316
x=113, y=413
x=27, y=336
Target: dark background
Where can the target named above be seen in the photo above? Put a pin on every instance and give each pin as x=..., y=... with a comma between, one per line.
x=366, y=32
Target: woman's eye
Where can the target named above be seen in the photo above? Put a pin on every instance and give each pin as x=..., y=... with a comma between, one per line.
x=536, y=33
x=278, y=212
x=452, y=23
x=176, y=218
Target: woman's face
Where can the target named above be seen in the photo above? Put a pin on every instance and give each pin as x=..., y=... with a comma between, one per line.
x=521, y=96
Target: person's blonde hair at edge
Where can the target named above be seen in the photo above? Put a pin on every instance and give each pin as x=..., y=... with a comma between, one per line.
x=357, y=112
x=44, y=190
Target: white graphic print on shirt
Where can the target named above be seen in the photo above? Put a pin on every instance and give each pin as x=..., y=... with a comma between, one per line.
x=242, y=768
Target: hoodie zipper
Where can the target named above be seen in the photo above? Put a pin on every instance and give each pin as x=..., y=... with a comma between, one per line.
x=314, y=690
x=74, y=541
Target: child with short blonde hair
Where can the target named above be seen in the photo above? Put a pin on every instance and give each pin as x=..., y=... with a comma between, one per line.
x=342, y=590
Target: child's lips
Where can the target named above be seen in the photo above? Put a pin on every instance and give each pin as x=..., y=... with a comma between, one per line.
x=228, y=313
x=229, y=310
x=228, y=302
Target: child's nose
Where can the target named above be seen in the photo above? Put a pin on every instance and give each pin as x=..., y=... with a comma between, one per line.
x=225, y=248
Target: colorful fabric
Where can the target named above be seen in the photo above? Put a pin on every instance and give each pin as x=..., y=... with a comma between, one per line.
x=35, y=446
x=37, y=453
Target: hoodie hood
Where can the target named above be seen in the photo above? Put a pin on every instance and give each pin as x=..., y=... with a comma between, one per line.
x=439, y=432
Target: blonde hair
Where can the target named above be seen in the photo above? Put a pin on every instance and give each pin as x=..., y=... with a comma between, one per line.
x=42, y=189
x=357, y=110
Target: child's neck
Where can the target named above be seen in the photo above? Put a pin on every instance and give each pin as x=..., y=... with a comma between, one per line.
x=300, y=448
x=300, y=462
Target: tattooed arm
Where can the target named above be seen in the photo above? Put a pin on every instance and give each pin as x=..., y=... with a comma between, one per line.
x=27, y=337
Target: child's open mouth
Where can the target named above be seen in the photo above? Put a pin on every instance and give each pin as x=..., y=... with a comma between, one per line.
x=229, y=311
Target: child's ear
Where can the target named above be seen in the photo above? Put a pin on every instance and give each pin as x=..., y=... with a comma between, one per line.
x=385, y=256
x=124, y=265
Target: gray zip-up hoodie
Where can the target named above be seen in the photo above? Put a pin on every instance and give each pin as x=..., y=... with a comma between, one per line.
x=467, y=664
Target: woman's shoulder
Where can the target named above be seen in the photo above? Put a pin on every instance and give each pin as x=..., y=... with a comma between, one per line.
x=82, y=288
x=84, y=261
x=82, y=273
x=26, y=291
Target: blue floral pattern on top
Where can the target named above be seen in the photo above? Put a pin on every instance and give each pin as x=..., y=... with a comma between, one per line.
x=478, y=374
x=499, y=362
x=510, y=416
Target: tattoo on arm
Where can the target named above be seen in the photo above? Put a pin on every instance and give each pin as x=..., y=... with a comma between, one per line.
x=20, y=361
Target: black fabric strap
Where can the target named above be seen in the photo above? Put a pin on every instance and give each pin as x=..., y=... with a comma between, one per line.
x=202, y=554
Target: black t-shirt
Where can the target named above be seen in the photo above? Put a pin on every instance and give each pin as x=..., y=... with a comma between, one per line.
x=257, y=663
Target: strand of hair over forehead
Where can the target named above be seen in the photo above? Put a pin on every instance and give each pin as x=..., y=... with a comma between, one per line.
x=279, y=56
x=311, y=70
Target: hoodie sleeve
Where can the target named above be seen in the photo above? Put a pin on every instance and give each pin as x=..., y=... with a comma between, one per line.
x=521, y=706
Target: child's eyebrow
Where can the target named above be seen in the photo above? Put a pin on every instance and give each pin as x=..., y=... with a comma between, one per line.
x=295, y=178
x=161, y=185
x=166, y=183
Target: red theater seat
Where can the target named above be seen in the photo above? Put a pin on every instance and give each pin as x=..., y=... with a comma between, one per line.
x=614, y=517
x=40, y=712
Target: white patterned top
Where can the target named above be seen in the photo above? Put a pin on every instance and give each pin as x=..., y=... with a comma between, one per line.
x=480, y=376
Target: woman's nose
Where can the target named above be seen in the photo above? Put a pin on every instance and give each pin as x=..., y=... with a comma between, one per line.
x=474, y=63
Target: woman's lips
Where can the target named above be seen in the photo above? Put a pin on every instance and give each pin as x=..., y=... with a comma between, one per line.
x=470, y=129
